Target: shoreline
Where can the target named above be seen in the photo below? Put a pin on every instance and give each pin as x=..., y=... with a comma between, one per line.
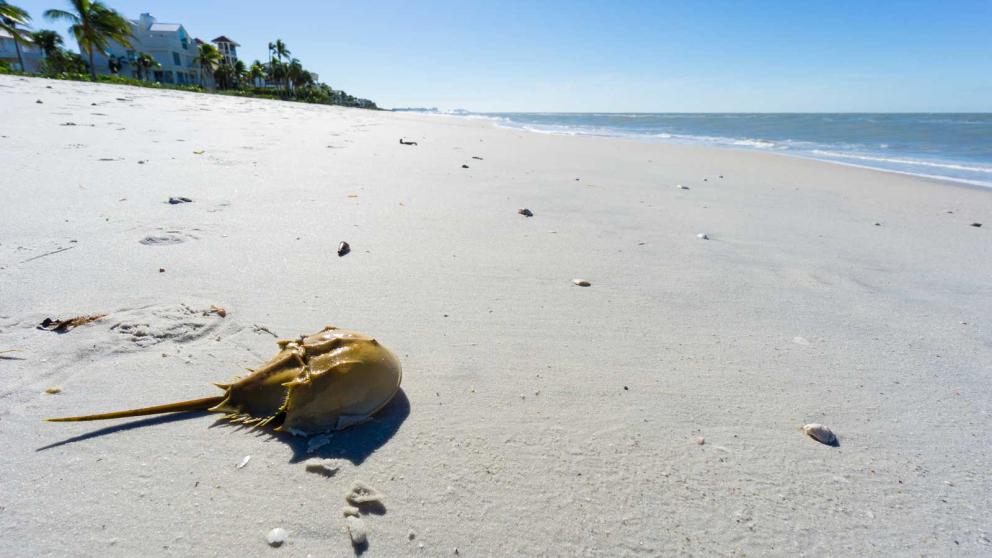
x=494, y=118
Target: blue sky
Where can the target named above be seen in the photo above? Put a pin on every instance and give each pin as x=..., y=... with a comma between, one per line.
x=617, y=56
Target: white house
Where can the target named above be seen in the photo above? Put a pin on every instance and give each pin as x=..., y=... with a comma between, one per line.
x=168, y=43
x=228, y=49
x=171, y=46
x=31, y=54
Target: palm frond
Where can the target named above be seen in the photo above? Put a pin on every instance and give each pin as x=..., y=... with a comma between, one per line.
x=61, y=15
x=15, y=15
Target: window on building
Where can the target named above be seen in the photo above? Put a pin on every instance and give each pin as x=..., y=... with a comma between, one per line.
x=176, y=60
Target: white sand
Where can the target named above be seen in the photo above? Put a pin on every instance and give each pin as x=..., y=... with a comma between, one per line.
x=537, y=417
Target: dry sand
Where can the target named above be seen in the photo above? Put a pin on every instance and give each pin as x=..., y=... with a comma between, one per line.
x=537, y=417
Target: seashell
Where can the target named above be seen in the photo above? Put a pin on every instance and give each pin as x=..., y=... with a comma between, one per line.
x=343, y=248
x=325, y=381
x=525, y=212
x=820, y=433
x=243, y=462
x=681, y=187
x=214, y=309
x=277, y=536
x=703, y=236
x=582, y=282
x=350, y=511
x=54, y=390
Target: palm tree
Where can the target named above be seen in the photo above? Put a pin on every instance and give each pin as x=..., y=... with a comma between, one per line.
x=10, y=17
x=256, y=72
x=272, y=51
x=240, y=70
x=226, y=75
x=47, y=40
x=280, y=50
x=277, y=72
x=145, y=62
x=208, y=57
x=295, y=74
x=94, y=25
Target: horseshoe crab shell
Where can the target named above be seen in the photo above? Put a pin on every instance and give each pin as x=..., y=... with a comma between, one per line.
x=325, y=381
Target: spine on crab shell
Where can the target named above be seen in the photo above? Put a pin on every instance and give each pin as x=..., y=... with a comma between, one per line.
x=178, y=407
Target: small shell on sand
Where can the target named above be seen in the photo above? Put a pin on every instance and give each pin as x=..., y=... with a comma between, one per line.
x=700, y=440
x=350, y=511
x=681, y=187
x=277, y=536
x=362, y=493
x=53, y=390
x=525, y=212
x=214, y=309
x=244, y=462
x=356, y=530
x=582, y=282
x=820, y=433
x=343, y=248
x=703, y=236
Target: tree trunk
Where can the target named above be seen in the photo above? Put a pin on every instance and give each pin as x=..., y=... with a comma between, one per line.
x=92, y=64
x=20, y=59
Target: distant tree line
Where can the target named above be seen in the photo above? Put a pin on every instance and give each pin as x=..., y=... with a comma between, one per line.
x=94, y=26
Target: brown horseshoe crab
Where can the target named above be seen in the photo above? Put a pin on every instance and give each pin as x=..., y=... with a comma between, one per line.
x=325, y=381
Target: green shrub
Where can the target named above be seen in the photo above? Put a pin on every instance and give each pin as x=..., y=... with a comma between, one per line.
x=69, y=66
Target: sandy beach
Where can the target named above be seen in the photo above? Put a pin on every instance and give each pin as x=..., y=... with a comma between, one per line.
x=656, y=412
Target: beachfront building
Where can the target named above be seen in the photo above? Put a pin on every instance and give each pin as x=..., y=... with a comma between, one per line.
x=168, y=43
x=31, y=54
x=228, y=49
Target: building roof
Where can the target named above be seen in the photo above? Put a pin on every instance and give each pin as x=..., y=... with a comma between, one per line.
x=199, y=41
x=223, y=39
x=172, y=27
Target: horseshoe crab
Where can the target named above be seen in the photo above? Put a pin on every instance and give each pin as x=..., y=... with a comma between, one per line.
x=325, y=381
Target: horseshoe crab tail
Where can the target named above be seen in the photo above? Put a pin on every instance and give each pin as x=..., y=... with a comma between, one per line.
x=178, y=407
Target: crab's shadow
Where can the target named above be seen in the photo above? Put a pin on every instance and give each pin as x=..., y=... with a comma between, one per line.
x=354, y=444
x=358, y=442
x=151, y=421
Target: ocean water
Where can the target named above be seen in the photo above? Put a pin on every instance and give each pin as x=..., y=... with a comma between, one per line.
x=954, y=147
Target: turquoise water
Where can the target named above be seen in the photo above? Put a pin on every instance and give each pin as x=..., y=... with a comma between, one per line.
x=950, y=146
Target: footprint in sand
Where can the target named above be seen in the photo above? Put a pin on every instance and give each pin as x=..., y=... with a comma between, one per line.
x=162, y=240
x=167, y=237
x=152, y=325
